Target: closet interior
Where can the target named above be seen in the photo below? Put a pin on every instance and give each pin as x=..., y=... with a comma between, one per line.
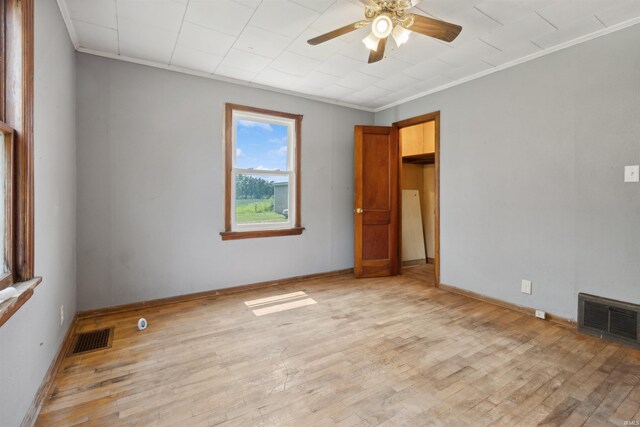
x=418, y=146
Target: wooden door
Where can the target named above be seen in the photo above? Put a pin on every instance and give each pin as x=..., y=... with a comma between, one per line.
x=376, y=210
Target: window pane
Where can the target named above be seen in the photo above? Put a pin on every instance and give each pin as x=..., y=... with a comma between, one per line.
x=3, y=198
x=262, y=199
x=261, y=146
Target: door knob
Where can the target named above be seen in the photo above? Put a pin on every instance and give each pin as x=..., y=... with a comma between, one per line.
x=359, y=210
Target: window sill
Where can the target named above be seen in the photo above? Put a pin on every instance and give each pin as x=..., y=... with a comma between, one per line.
x=25, y=291
x=236, y=235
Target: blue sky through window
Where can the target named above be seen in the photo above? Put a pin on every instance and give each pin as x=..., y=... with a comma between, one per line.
x=261, y=146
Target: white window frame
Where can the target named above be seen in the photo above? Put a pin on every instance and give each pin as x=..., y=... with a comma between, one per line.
x=290, y=172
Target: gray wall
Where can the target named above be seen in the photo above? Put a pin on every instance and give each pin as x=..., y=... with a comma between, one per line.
x=532, y=176
x=31, y=338
x=150, y=186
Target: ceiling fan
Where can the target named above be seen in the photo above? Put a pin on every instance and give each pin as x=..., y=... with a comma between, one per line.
x=390, y=17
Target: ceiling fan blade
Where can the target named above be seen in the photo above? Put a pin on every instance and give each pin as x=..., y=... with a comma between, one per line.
x=337, y=33
x=433, y=27
x=377, y=55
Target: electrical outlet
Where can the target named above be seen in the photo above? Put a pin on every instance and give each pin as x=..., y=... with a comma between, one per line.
x=541, y=314
x=632, y=173
x=526, y=287
x=61, y=315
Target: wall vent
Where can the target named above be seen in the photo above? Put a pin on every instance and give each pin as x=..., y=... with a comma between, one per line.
x=86, y=342
x=606, y=318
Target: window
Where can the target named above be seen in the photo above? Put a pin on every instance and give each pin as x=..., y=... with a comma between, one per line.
x=16, y=153
x=262, y=155
x=16, y=142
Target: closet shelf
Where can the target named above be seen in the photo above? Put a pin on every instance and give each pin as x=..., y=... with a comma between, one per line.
x=420, y=159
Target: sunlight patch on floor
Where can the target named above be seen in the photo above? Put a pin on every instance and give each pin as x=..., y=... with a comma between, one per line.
x=278, y=303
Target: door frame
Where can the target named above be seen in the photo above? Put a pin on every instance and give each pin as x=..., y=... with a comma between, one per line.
x=429, y=117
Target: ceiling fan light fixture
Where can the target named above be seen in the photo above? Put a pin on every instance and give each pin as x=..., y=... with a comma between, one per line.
x=400, y=35
x=390, y=18
x=382, y=26
x=371, y=41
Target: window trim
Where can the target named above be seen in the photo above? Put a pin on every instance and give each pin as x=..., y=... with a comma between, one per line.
x=18, y=114
x=289, y=172
x=291, y=228
x=16, y=111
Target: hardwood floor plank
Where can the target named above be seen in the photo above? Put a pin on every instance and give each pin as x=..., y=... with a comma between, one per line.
x=560, y=413
x=628, y=407
x=385, y=351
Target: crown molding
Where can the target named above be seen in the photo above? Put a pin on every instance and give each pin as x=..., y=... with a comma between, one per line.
x=570, y=43
x=221, y=78
x=66, y=17
x=608, y=30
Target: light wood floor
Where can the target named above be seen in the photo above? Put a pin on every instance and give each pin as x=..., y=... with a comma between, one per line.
x=390, y=351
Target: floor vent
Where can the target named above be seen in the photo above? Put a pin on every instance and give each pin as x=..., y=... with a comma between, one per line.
x=87, y=342
x=607, y=318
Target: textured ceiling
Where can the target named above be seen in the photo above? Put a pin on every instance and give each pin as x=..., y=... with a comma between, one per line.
x=264, y=42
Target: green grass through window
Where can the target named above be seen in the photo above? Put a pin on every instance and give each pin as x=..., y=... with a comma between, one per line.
x=253, y=211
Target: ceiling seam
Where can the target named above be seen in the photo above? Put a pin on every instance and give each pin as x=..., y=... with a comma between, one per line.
x=117, y=26
x=96, y=25
x=488, y=16
x=600, y=20
x=175, y=46
x=536, y=44
x=546, y=20
x=237, y=37
x=292, y=41
x=489, y=44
